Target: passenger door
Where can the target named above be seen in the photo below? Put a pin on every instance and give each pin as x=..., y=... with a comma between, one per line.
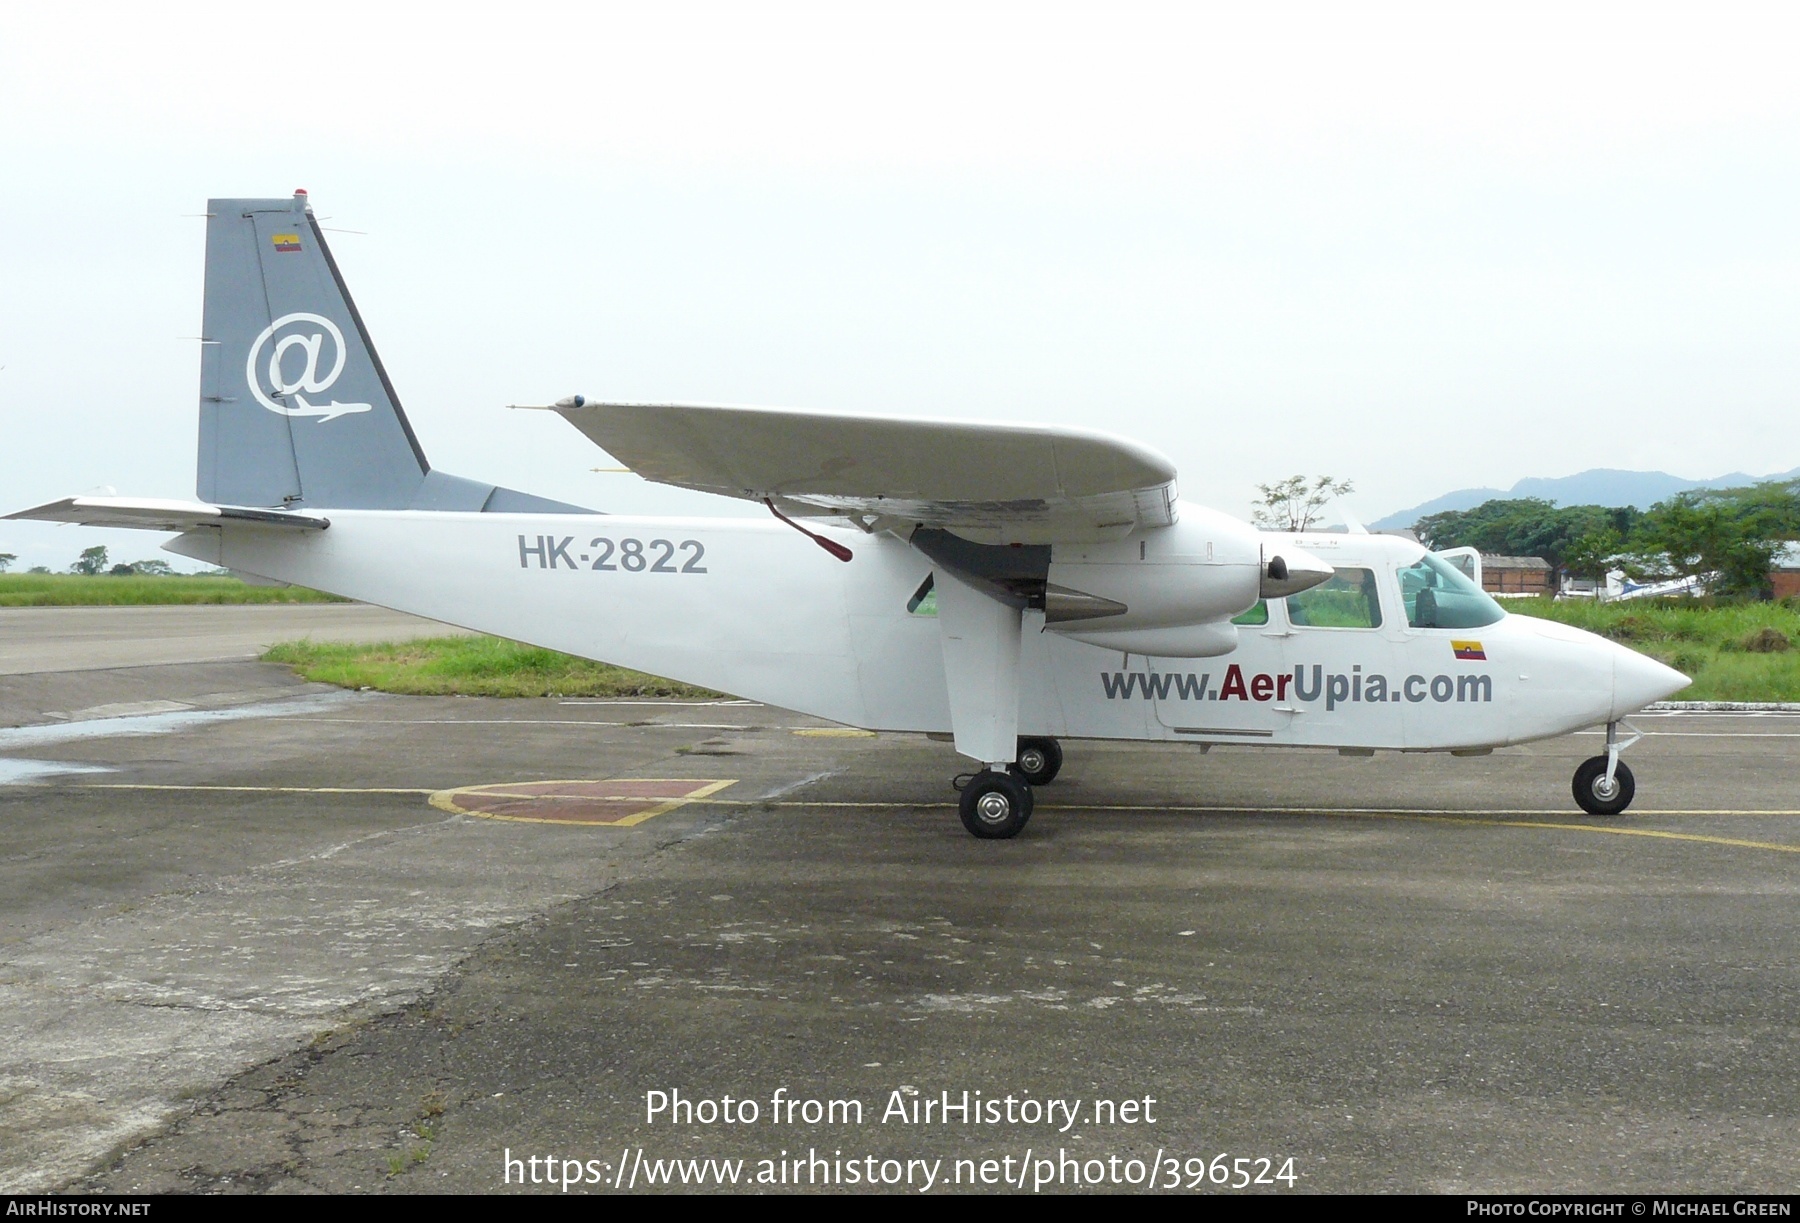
x=1340, y=657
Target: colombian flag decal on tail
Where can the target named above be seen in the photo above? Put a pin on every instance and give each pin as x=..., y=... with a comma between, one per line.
x=1469, y=651
x=286, y=242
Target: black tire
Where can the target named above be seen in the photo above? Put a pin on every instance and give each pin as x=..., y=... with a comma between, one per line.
x=1040, y=760
x=1590, y=787
x=995, y=806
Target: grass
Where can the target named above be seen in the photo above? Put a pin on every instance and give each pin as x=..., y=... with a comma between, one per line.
x=1732, y=651
x=469, y=666
x=105, y=590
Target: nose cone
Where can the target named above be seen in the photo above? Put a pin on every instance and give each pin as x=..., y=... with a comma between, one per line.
x=1287, y=571
x=1637, y=681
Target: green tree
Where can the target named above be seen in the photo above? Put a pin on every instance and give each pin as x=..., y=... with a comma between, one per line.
x=6, y=560
x=1729, y=540
x=1772, y=509
x=1594, y=555
x=1525, y=526
x=92, y=561
x=1293, y=504
x=152, y=569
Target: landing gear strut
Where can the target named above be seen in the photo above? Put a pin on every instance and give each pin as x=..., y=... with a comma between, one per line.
x=995, y=805
x=1603, y=785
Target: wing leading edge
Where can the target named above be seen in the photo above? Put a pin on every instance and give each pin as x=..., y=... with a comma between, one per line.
x=987, y=482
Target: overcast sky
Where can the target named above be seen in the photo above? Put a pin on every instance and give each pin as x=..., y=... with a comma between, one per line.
x=1419, y=247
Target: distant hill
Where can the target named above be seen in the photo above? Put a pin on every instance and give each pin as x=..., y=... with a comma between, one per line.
x=1601, y=486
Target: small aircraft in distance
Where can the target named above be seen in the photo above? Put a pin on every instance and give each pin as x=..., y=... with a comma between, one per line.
x=1005, y=586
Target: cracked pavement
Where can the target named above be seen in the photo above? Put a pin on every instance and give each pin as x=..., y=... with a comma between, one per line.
x=246, y=953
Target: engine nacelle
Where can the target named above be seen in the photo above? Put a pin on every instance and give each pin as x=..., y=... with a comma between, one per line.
x=1208, y=640
x=1172, y=590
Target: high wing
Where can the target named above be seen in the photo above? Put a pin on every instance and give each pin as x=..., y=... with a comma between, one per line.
x=989, y=483
x=153, y=514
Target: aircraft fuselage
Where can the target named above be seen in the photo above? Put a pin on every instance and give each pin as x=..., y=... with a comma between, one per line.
x=753, y=609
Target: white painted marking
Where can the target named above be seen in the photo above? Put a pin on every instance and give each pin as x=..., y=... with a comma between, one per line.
x=791, y=786
x=15, y=772
x=166, y=723
x=126, y=709
x=621, y=701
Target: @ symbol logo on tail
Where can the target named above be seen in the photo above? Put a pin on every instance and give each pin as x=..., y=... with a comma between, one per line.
x=309, y=381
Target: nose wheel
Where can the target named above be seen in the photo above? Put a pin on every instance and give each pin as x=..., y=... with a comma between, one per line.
x=1604, y=785
x=1598, y=794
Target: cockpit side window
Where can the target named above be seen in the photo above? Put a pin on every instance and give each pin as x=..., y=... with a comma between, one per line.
x=1436, y=594
x=1348, y=600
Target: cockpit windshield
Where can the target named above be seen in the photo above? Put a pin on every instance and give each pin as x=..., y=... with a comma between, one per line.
x=1436, y=594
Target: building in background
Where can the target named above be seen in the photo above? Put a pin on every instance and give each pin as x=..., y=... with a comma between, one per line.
x=1515, y=575
x=1784, y=571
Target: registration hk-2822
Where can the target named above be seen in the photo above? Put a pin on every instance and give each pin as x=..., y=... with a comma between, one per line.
x=604, y=555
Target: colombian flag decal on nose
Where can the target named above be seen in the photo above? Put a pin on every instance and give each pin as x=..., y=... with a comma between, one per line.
x=1469, y=651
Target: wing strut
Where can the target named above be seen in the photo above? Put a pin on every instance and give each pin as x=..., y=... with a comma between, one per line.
x=830, y=545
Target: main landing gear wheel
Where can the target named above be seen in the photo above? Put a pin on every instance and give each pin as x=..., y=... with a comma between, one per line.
x=995, y=805
x=1040, y=760
x=1596, y=795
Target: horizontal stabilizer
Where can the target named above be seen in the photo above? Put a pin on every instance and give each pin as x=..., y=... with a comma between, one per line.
x=153, y=514
x=990, y=482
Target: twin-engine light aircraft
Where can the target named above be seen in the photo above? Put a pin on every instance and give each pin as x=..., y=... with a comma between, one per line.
x=1006, y=586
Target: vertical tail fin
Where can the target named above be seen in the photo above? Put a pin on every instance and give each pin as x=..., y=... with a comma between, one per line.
x=295, y=407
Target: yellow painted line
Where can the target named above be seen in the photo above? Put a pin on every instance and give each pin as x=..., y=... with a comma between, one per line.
x=1418, y=811
x=835, y=732
x=445, y=800
x=703, y=796
x=633, y=820
x=485, y=792
x=1454, y=817
x=1246, y=808
x=1423, y=818
x=1432, y=817
x=1419, y=816
x=120, y=785
x=1704, y=811
x=1652, y=832
x=672, y=804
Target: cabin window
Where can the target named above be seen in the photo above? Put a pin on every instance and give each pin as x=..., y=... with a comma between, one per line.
x=1256, y=616
x=1348, y=600
x=1436, y=594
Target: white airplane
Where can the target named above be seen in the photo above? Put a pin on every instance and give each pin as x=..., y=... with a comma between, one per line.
x=1003, y=586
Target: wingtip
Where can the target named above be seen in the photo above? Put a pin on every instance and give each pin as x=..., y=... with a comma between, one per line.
x=566, y=403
